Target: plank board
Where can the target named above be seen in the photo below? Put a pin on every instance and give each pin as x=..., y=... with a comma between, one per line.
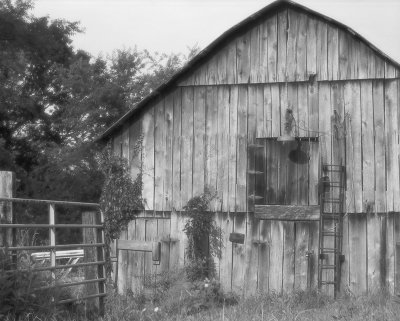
x=199, y=157
x=211, y=110
x=251, y=255
x=357, y=255
x=148, y=158
x=311, y=46
x=282, y=22
x=264, y=255
x=380, y=148
x=187, y=145
x=227, y=221
x=288, y=257
x=223, y=147
x=159, y=156
x=241, y=192
x=238, y=255
x=233, y=129
x=301, y=256
x=169, y=150
x=276, y=256
x=301, y=48
x=243, y=58
x=177, y=146
x=368, y=152
x=392, y=144
x=322, y=50
x=255, y=70
x=373, y=252
x=333, y=53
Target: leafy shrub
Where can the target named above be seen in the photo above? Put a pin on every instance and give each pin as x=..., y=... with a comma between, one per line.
x=204, y=237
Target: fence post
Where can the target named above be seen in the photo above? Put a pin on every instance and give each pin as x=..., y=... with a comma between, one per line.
x=7, y=180
x=52, y=238
x=91, y=255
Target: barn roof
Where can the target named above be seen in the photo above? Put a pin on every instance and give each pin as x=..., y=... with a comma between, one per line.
x=216, y=44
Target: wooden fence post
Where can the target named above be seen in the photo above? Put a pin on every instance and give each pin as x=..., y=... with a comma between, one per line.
x=6, y=209
x=90, y=236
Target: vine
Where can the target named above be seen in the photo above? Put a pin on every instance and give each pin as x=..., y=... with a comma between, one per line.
x=204, y=237
x=121, y=197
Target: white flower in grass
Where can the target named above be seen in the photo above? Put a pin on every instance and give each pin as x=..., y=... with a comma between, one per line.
x=206, y=285
x=156, y=309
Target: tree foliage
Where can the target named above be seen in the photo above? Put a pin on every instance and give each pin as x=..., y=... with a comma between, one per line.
x=55, y=100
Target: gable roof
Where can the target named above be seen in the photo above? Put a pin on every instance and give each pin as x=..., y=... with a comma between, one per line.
x=216, y=44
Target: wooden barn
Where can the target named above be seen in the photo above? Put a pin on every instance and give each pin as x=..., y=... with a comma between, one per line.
x=293, y=119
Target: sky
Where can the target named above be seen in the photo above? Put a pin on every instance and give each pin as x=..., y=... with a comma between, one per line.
x=174, y=25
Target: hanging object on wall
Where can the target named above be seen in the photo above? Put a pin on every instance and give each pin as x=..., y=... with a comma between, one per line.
x=298, y=156
x=236, y=238
x=290, y=124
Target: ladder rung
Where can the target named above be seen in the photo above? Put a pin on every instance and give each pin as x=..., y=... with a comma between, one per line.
x=331, y=234
x=328, y=250
x=328, y=267
x=328, y=282
x=255, y=146
x=331, y=200
x=255, y=172
x=255, y=197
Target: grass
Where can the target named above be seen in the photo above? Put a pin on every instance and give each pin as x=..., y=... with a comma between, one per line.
x=298, y=306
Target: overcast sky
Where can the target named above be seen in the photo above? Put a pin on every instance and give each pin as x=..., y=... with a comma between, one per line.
x=173, y=25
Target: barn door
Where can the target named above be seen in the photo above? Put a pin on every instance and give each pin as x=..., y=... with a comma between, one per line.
x=142, y=253
x=287, y=174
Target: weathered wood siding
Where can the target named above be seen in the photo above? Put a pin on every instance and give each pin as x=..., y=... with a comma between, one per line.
x=201, y=134
x=289, y=46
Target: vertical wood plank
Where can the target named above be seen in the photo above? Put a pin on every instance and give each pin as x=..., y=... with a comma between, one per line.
x=282, y=44
x=231, y=66
x=390, y=252
x=291, y=52
x=223, y=148
x=368, y=152
x=333, y=53
x=313, y=110
x=264, y=256
x=148, y=158
x=313, y=243
x=358, y=255
x=251, y=255
x=379, y=143
x=169, y=145
x=276, y=256
x=322, y=50
x=275, y=111
x=288, y=257
x=199, y=157
x=344, y=40
x=353, y=148
x=176, y=156
x=159, y=156
x=272, y=32
x=311, y=46
x=221, y=65
x=241, y=192
x=301, y=256
x=211, y=109
x=301, y=48
x=373, y=252
x=255, y=72
x=243, y=58
x=233, y=130
x=392, y=144
x=187, y=145
x=227, y=221
x=264, y=35
x=238, y=256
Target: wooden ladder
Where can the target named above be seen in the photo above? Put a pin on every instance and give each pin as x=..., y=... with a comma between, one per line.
x=332, y=191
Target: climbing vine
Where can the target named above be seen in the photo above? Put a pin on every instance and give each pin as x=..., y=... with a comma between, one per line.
x=121, y=196
x=204, y=237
